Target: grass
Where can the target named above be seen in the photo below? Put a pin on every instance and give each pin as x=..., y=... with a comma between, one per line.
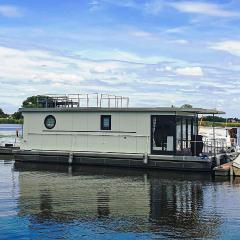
x=10, y=121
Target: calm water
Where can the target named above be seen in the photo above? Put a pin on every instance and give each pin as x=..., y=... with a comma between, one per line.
x=8, y=133
x=59, y=202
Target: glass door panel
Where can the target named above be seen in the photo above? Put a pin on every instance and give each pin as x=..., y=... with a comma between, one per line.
x=186, y=127
x=163, y=134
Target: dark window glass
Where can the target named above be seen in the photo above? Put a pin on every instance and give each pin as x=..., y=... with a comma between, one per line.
x=186, y=127
x=163, y=134
x=50, y=122
x=105, y=122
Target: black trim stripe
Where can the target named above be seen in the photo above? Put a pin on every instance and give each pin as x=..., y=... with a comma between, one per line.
x=106, y=131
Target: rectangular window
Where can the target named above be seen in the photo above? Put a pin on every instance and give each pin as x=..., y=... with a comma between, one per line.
x=105, y=122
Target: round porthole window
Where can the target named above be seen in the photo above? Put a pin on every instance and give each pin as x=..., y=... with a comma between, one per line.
x=50, y=122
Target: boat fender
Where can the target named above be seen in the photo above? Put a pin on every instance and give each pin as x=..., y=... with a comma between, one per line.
x=145, y=158
x=70, y=158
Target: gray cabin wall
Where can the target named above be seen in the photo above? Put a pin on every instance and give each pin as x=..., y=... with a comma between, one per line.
x=80, y=131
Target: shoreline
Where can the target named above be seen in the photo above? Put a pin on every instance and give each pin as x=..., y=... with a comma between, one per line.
x=10, y=121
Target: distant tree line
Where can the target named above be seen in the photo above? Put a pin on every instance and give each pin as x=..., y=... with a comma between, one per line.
x=10, y=118
x=220, y=119
x=17, y=115
x=214, y=119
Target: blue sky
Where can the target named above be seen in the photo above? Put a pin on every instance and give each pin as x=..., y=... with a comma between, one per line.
x=157, y=52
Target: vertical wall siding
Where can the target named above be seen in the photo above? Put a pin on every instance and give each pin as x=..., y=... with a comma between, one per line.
x=80, y=131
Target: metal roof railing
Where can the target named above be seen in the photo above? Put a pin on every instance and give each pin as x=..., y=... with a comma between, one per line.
x=82, y=100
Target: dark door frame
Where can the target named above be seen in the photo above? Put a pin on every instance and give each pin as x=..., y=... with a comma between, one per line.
x=160, y=152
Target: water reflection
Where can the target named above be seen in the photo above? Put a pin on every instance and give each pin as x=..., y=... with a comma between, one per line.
x=103, y=200
x=178, y=206
x=45, y=213
x=131, y=200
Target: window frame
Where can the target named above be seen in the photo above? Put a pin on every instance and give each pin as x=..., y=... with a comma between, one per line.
x=109, y=128
x=45, y=122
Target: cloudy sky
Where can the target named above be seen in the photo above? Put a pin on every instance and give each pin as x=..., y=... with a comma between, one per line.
x=157, y=52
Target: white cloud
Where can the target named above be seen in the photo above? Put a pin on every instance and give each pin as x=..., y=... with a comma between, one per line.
x=10, y=11
x=168, y=68
x=154, y=7
x=30, y=72
x=94, y=3
x=190, y=71
x=142, y=34
x=232, y=47
x=176, y=30
x=41, y=65
x=203, y=8
x=125, y=3
x=120, y=55
x=181, y=41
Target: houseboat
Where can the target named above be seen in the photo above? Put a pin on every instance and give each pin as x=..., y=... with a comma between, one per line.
x=103, y=130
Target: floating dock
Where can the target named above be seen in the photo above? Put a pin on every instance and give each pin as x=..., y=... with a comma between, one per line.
x=8, y=150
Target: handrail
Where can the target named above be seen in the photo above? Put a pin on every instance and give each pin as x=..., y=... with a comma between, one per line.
x=209, y=148
x=82, y=100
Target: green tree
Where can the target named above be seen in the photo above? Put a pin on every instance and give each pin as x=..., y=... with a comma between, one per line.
x=2, y=114
x=30, y=102
x=36, y=101
x=186, y=105
x=17, y=115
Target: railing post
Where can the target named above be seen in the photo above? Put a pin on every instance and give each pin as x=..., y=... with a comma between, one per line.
x=214, y=143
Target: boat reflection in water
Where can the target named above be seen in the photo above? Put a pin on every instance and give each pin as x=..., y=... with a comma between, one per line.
x=119, y=200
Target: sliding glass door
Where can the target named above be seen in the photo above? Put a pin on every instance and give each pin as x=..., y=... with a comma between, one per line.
x=172, y=135
x=186, y=128
x=163, y=137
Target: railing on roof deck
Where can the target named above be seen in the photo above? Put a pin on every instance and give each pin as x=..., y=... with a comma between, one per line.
x=82, y=100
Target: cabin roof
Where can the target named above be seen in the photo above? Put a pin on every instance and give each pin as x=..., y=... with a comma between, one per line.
x=129, y=109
